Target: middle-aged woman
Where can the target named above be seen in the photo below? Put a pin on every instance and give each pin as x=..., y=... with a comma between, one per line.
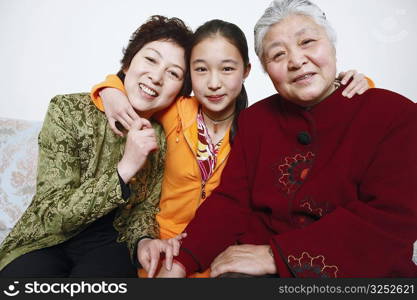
x=316, y=185
x=85, y=218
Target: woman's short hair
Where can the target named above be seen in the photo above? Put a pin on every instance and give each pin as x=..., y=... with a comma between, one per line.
x=158, y=28
x=278, y=10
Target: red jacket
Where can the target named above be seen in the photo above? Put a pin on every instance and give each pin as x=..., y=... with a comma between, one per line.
x=332, y=189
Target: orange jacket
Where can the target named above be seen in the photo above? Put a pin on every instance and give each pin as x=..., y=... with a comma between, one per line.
x=181, y=187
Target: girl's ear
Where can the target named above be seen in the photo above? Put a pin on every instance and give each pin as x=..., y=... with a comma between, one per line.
x=247, y=71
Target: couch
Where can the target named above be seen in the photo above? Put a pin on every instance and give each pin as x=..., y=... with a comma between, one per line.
x=18, y=161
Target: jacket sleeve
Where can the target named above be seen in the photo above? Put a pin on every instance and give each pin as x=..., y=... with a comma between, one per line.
x=66, y=200
x=371, y=236
x=371, y=83
x=141, y=220
x=112, y=81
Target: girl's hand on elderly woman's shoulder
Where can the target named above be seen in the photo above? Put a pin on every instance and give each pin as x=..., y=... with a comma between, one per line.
x=118, y=110
x=358, y=85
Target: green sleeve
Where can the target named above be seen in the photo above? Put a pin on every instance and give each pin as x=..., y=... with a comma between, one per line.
x=141, y=221
x=68, y=196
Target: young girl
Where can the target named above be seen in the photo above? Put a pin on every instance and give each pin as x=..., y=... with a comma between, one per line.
x=200, y=129
x=83, y=209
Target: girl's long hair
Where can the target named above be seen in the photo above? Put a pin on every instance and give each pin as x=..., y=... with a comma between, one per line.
x=236, y=37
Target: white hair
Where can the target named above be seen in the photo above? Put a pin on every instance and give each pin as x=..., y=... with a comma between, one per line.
x=278, y=10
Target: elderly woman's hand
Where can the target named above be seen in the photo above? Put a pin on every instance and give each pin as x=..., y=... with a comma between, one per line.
x=118, y=109
x=359, y=84
x=248, y=259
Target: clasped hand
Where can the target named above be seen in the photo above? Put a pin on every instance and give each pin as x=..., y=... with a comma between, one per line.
x=141, y=140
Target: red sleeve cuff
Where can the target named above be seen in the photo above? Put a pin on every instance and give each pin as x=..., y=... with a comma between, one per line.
x=280, y=261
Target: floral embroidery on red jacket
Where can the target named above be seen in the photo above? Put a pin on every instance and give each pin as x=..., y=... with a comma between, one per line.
x=309, y=266
x=306, y=211
x=294, y=171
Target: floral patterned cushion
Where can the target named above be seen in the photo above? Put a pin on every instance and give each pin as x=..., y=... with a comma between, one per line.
x=18, y=160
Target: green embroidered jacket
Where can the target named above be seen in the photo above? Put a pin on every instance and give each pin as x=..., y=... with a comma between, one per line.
x=77, y=181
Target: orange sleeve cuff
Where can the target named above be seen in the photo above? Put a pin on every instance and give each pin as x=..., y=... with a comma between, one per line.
x=371, y=83
x=112, y=81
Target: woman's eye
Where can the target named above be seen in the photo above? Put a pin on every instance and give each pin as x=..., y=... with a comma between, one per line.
x=150, y=59
x=306, y=42
x=174, y=74
x=278, y=55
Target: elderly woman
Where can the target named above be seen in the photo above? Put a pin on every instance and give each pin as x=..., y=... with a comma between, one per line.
x=316, y=185
x=86, y=218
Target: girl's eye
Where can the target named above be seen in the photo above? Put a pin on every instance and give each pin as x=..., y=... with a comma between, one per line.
x=228, y=69
x=200, y=69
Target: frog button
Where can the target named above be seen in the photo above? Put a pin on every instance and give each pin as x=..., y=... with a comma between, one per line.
x=133, y=180
x=129, y=206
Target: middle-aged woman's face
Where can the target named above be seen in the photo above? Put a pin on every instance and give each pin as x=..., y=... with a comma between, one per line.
x=300, y=60
x=155, y=76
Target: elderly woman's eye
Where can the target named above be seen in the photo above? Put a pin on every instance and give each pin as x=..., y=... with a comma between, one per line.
x=307, y=41
x=278, y=55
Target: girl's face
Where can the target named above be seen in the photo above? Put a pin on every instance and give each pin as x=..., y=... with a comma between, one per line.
x=217, y=74
x=155, y=76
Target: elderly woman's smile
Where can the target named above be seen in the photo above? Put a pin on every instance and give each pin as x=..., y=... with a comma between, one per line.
x=300, y=59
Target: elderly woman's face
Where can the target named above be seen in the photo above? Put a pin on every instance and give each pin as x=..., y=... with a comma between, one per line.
x=300, y=60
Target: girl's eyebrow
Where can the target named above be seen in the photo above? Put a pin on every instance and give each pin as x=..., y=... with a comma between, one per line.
x=232, y=61
x=199, y=60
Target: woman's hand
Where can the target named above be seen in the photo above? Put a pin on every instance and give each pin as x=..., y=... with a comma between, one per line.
x=359, y=84
x=141, y=140
x=118, y=109
x=248, y=259
x=149, y=252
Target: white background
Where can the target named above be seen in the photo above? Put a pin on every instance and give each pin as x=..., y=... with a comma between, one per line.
x=50, y=47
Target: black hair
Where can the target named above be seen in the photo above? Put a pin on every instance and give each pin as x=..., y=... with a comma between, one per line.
x=158, y=28
x=236, y=37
